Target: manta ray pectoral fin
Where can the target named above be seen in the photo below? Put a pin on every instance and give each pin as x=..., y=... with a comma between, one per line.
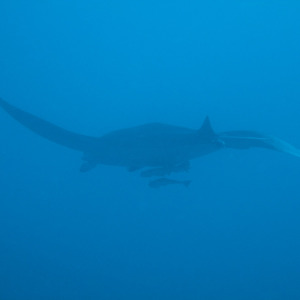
x=50, y=131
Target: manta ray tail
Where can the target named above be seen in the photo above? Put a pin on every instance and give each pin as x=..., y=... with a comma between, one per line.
x=48, y=130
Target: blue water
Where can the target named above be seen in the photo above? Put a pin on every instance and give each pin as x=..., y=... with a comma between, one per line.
x=95, y=66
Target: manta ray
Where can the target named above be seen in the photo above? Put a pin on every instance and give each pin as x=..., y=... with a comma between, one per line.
x=155, y=149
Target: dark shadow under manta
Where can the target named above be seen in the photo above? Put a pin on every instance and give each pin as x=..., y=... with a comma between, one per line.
x=158, y=148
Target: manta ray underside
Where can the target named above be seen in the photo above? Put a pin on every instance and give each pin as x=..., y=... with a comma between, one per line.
x=156, y=149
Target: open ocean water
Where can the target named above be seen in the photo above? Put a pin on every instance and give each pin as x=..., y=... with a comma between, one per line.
x=97, y=66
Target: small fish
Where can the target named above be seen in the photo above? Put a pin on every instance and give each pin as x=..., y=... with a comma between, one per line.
x=165, y=181
x=184, y=167
x=155, y=172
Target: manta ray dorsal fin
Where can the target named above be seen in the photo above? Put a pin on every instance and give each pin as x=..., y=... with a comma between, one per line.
x=206, y=128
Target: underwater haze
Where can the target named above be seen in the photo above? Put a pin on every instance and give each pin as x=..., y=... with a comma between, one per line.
x=97, y=66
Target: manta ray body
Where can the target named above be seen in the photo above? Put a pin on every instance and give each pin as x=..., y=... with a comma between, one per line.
x=159, y=149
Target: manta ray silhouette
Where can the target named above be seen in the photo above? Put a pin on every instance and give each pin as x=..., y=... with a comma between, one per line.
x=159, y=148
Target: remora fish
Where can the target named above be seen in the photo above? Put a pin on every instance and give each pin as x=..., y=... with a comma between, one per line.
x=164, y=171
x=165, y=181
x=162, y=147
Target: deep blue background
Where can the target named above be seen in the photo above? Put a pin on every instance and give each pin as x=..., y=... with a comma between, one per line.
x=96, y=66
